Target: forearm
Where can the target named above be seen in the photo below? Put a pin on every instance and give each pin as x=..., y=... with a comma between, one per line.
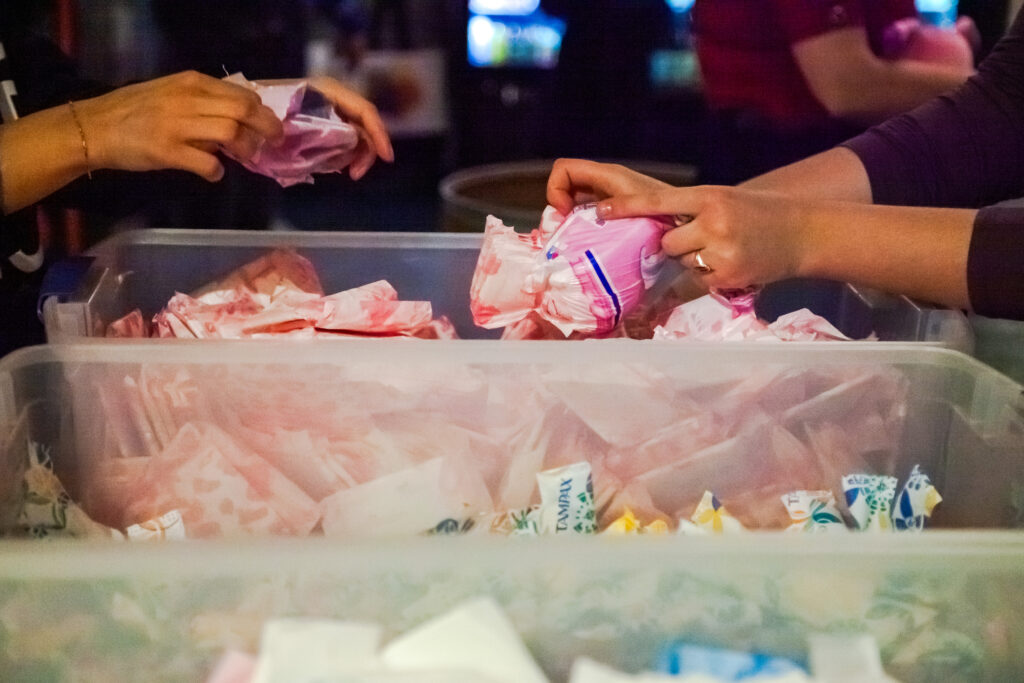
x=836, y=174
x=882, y=89
x=920, y=252
x=39, y=154
x=961, y=149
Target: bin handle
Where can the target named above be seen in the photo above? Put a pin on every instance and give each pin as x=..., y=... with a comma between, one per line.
x=63, y=279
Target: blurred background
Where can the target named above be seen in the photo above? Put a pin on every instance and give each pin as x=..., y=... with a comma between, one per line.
x=463, y=85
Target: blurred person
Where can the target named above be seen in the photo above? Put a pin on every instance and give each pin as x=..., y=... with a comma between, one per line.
x=133, y=145
x=866, y=212
x=789, y=78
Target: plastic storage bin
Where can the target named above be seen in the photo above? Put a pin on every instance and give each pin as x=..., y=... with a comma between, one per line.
x=944, y=605
x=143, y=269
x=1000, y=343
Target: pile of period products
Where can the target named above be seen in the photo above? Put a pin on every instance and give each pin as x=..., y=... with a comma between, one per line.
x=279, y=295
x=476, y=642
x=391, y=447
x=567, y=505
x=574, y=277
x=579, y=276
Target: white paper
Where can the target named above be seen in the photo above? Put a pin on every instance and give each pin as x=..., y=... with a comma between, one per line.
x=476, y=637
x=315, y=650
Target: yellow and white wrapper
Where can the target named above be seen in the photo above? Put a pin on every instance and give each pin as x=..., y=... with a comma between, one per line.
x=628, y=524
x=710, y=517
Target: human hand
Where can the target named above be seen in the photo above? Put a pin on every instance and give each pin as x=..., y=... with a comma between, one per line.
x=578, y=181
x=178, y=121
x=744, y=237
x=357, y=110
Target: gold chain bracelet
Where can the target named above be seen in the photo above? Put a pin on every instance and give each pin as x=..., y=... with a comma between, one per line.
x=81, y=134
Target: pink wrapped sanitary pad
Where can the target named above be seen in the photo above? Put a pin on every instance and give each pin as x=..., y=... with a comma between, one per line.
x=316, y=139
x=576, y=272
x=730, y=316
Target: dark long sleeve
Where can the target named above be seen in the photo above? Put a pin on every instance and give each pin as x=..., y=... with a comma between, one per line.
x=965, y=149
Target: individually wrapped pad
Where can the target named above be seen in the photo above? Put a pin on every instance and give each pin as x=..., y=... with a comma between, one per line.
x=585, y=275
x=316, y=140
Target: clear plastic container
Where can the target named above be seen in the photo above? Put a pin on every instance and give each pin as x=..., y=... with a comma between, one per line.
x=1000, y=343
x=143, y=269
x=944, y=605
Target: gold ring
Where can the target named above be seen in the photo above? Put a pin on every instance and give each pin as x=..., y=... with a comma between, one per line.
x=701, y=267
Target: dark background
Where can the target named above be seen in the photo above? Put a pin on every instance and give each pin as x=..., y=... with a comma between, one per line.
x=599, y=102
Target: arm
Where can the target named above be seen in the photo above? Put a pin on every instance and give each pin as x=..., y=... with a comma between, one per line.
x=852, y=83
x=960, y=149
x=836, y=174
x=176, y=122
x=758, y=237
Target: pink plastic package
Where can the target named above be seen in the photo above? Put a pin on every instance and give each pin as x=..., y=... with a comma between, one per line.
x=316, y=139
x=279, y=294
x=729, y=315
x=577, y=272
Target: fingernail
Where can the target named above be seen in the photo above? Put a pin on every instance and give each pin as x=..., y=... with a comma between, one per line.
x=604, y=209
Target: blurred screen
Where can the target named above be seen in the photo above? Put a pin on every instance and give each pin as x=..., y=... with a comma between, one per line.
x=938, y=12
x=680, y=6
x=513, y=39
x=504, y=7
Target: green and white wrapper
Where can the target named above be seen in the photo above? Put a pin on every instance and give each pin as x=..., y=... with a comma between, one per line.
x=567, y=500
x=47, y=509
x=869, y=498
x=508, y=523
x=814, y=511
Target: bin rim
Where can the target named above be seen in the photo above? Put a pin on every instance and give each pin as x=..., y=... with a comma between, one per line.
x=269, y=239
x=491, y=351
x=27, y=559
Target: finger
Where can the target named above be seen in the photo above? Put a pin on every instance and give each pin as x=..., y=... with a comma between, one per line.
x=686, y=239
x=364, y=158
x=194, y=160
x=229, y=100
x=360, y=111
x=242, y=142
x=686, y=201
x=569, y=180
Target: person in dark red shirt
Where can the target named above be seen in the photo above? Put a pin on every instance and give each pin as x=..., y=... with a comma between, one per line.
x=789, y=78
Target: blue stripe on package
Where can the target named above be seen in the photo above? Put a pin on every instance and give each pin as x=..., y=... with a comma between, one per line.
x=725, y=665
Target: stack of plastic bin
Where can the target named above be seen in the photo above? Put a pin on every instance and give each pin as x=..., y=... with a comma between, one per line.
x=943, y=605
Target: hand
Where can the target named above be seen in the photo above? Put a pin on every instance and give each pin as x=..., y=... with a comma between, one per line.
x=178, y=121
x=745, y=237
x=373, y=136
x=577, y=181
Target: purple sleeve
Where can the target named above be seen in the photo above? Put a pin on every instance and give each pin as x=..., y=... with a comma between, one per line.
x=995, y=263
x=965, y=149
